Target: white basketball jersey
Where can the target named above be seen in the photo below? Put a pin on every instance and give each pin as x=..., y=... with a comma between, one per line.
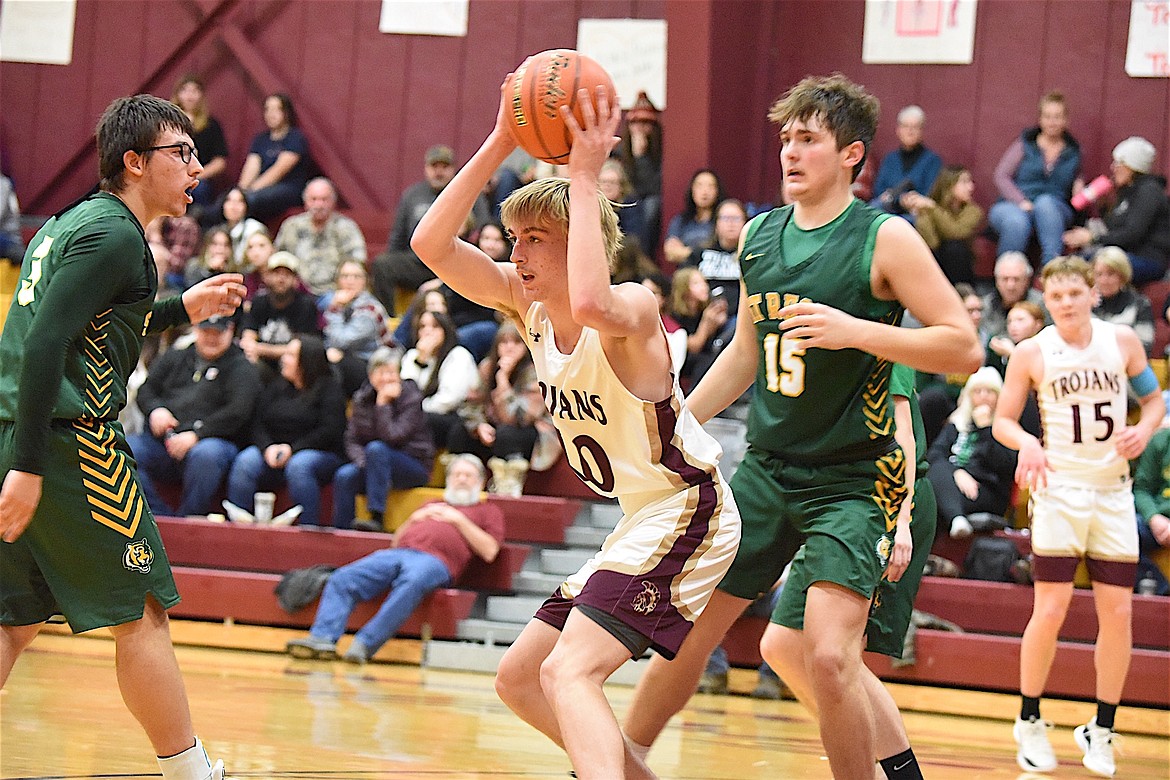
x=618, y=444
x=1082, y=402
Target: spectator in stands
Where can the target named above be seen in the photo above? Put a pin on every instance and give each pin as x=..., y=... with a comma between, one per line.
x=718, y=262
x=1013, y=283
x=947, y=221
x=614, y=185
x=694, y=226
x=1139, y=220
x=1035, y=178
x=500, y=414
x=706, y=320
x=640, y=152
x=198, y=404
x=1024, y=321
x=296, y=434
x=906, y=174
x=1117, y=300
x=1151, y=495
x=387, y=441
x=938, y=394
x=256, y=254
x=517, y=169
x=970, y=471
x=320, y=237
x=191, y=96
x=430, y=550
x=632, y=265
x=278, y=313
x=239, y=225
x=11, y=244
x=215, y=258
x=355, y=325
x=429, y=297
x=676, y=337
x=399, y=267
x=182, y=237
x=278, y=164
x=445, y=372
x=475, y=324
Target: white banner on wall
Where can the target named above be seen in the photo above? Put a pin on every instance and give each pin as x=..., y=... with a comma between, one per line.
x=918, y=32
x=424, y=17
x=633, y=51
x=1148, y=52
x=37, y=31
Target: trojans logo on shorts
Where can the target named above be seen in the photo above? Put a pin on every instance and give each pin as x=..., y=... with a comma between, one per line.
x=645, y=602
x=138, y=556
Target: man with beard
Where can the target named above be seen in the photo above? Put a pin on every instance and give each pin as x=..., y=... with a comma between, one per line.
x=430, y=550
x=279, y=313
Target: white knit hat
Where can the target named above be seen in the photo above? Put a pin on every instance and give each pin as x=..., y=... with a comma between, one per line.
x=1135, y=153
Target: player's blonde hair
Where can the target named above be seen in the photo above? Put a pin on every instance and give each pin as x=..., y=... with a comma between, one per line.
x=546, y=202
x=1069, y=265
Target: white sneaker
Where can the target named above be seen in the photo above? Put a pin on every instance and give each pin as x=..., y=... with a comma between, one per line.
x=217, y=772
x=961, y=528
x=289, y=517
x=1097, y=743
x=1035, y=753
x=237, y=514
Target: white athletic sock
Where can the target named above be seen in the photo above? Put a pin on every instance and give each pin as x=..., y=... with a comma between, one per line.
x=191, y=764
x=641, y=751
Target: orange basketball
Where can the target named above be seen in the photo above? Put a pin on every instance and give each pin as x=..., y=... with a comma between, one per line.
x=536, y=92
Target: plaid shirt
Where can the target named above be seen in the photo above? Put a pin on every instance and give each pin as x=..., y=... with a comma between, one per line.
x=321, y=252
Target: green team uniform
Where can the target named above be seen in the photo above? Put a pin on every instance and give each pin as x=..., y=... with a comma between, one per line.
x=822, y=466
x=893, y=603
x=84, y=302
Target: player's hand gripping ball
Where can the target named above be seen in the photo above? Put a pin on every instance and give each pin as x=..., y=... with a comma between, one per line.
x=537, y=90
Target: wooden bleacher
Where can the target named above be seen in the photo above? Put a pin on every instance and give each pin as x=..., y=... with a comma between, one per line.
x=229, y=572
x=537, y=519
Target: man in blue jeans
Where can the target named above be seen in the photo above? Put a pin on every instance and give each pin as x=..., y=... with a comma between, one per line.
x=198, y=403
x=430, y=550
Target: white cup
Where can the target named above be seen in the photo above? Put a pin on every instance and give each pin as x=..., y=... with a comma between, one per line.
x=263, y=504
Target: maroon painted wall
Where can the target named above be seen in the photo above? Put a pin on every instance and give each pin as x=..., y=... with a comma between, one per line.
x=371, y=103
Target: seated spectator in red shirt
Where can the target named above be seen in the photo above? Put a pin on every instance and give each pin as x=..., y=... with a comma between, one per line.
x=430, y=550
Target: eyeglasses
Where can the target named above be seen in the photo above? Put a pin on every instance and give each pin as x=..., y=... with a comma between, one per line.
x=186, y=150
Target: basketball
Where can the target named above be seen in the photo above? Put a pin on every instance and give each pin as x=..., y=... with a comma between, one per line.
x=537, y=90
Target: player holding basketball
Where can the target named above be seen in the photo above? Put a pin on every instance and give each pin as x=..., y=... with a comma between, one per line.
x=77, y=535
x=825, y=281
x=604, y=367
x=1082, y=501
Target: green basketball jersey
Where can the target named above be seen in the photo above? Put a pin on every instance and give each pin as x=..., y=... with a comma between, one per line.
x=83, y=304
x=817, y=405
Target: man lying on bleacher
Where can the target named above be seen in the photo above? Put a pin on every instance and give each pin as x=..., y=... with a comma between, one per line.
x=430, y=550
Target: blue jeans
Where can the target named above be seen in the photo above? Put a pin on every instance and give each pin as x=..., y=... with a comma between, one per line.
x=1049, y=218
x=305, y=473
x=476, y=337
x=410, y=575
x=201, y=472
x=385, y=468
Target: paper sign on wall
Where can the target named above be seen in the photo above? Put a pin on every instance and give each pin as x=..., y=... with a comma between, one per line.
x=424, y=17
x=1148, y=52
x=919, y=31
x=37, y=31
x=633, y=51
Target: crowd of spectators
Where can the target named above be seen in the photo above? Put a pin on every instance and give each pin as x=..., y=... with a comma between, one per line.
x=327, y=323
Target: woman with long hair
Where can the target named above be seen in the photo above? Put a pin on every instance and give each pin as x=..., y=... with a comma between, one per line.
x=948, y=220
x=296, y=434
x=239, y=225
x=191, y=96
x=278, y=164
x=444, y=371
x=694, y=226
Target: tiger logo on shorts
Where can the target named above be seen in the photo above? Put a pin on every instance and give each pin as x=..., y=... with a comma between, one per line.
x=138, y=556
x=645, y=602
x=883, y=548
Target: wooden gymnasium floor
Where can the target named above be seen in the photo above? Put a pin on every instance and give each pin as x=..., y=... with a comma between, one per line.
x=271, y=717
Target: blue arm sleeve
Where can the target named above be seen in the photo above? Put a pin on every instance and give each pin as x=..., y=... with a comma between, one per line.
x=1144, y=383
